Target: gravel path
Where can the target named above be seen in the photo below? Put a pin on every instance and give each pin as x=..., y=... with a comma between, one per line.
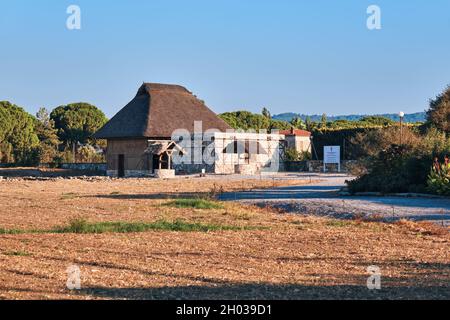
x=322, y=198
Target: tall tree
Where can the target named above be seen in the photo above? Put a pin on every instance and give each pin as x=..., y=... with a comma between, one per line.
x=439, y=113
x=43, y=116
x=48, y=137
x=323, y=121
x=77, y=122
x=266, y=113
x=298, y=123
x=308, y=123
x=18, y=141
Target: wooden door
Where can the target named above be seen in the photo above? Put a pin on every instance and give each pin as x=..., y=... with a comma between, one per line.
x=121, y=166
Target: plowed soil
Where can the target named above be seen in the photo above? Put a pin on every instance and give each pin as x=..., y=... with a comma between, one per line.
x=282, y=256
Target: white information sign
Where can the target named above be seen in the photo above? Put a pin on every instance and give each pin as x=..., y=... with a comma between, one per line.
x=331, y=154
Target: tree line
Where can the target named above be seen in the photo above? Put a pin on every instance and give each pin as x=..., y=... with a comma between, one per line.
x=65, y=133
x=324, y=132
x=62, y=135
x=409, y=118
x=246, y=120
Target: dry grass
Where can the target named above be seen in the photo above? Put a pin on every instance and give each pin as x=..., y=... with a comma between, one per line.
x=266, y=254
x=425, y=228
x=45, y=204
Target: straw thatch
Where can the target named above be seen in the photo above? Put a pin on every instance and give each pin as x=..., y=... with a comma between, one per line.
x=157, y=111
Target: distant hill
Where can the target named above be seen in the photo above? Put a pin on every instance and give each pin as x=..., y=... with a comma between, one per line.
x=410, y=118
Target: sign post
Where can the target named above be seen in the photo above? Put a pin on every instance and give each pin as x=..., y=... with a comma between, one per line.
x=331, y=154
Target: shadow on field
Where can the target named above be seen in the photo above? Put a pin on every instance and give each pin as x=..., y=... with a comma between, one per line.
x=268, y=292
x=278, y=193
x=46, y=173
x=154, y=196
x=283, y=193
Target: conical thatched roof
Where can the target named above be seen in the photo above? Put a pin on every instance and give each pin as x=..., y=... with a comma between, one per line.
x=157, y=111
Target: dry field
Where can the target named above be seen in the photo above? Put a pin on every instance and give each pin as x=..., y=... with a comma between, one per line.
x=252, y=252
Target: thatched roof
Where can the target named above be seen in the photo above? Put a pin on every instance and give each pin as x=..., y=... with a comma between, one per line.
x=158, y=110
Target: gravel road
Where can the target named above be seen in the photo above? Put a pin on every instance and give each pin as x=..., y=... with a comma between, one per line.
x=322, y=198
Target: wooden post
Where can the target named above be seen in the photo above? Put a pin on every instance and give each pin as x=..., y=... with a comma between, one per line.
x=169, y=160
x=401, y=130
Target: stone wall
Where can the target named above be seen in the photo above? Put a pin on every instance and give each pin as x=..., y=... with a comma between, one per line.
x=183, y=168
x=130, y=173
x=246, y=169
x=133, y=150
x=164, y=174
x=295, y=166
x=84, y=166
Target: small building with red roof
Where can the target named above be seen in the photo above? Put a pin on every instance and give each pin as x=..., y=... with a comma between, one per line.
x=297, y=139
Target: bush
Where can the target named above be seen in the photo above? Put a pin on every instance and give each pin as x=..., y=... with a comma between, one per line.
x=88, y=154
x=395, y=169
x=398, y=168
x=81, y=226
x=439, y=181
x=357, y=168
x=194, y=204
x=292, y=154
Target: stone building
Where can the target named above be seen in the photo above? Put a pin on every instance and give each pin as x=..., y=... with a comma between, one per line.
x=297, y=139
x=236, y=153
x=165, y=130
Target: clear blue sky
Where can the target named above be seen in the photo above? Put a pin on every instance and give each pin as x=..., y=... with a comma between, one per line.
x=290, y=56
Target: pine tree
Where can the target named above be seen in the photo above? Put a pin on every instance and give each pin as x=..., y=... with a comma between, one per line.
x=298, y=123
x=18, y=140
x=266, y=113
x=308, y=123
x=323, y=122
x=439, y=113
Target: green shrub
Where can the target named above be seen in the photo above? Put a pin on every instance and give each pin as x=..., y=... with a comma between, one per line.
x=439, y=182
x=292, y=154
x=395, y=169
x=17, y=253
x=10, y=231
x=194, y=203
x=398, y=168
x=80, y=226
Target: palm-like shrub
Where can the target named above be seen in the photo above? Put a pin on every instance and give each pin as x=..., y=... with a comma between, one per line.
x=439, y=181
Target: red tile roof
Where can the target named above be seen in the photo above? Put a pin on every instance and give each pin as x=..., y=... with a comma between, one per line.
x=296, y=132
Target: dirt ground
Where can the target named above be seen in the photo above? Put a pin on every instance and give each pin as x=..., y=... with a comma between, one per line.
x=280, y=256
